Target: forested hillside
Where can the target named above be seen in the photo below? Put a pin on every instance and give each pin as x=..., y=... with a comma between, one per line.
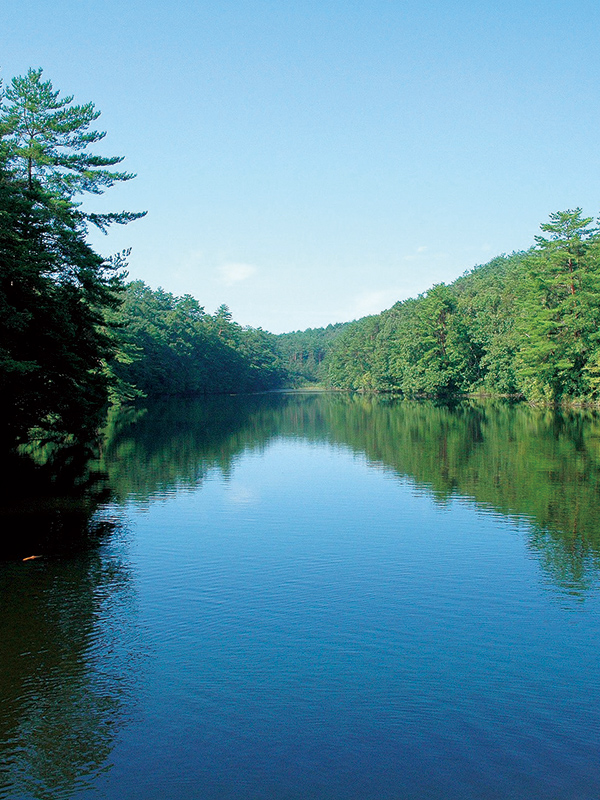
x=171, y=346
x=75, y=336
x=526, y=324
x=303, y=353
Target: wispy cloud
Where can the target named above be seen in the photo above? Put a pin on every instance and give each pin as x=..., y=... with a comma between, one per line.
x=373, y=302
x=235, y=272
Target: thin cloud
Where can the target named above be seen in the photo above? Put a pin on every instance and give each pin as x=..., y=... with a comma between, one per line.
x=235, y=272
x=373, y=302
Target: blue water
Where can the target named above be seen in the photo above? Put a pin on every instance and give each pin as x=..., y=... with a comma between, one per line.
x=309, y=623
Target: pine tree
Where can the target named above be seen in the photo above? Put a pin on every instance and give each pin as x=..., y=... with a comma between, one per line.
x=54, y=289
x=560, y=311
x=47, y=140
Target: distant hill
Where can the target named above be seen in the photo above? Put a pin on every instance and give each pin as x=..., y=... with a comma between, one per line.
x=303, y=353
x=527, y=324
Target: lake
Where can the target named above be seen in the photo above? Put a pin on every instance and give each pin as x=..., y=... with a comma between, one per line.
x=310, y=596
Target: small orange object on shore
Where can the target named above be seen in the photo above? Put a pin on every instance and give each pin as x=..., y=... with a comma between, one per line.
x=29, y=558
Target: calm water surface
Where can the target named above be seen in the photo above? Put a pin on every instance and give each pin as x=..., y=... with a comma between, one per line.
x=297, y=597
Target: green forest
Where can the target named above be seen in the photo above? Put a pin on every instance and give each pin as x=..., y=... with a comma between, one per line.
x=524, y=325
x=78, y=338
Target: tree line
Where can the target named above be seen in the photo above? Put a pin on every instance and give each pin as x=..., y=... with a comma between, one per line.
x=77, y=337
x=170, y=345
x=526, y=325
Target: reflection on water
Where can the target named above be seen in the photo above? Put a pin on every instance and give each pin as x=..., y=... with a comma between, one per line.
x=66, y=631
x=360, y=651
x=539, y=466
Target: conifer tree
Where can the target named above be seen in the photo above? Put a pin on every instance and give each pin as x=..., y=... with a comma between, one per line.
x=561, y=310
x=47, y=139
x=54, y=289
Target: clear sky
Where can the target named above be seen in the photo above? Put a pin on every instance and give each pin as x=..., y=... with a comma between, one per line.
x=308, y=162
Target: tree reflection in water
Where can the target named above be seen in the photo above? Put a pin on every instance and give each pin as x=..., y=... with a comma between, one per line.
x=69, y=648
x=67, y=628
x=541, y=468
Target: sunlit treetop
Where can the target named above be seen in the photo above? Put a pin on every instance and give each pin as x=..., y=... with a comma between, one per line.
x=566, y=226
x=47, y=138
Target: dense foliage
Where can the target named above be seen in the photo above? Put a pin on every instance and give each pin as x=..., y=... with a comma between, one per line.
x=170, y=346
x=525, y=324
x=54, y=289
x=303, y=353
x=73, y=334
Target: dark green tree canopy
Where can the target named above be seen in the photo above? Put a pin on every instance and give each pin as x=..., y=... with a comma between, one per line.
x=526, y=324
x=55, y=290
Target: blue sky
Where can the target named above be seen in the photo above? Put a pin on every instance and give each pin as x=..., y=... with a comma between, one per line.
x=313, y=162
